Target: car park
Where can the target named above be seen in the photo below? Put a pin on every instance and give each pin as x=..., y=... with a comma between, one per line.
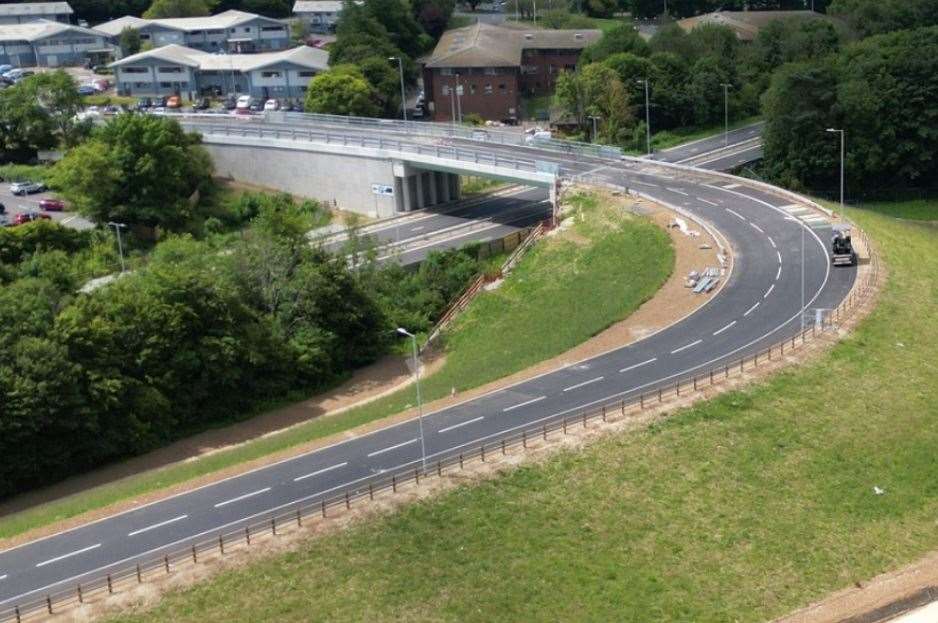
x=87, y=89
x=244, y=101
x=231, y=102
x=271, y=104
x=173, y=101
x=27, y=217
x=101, y=84
x=202, y=103
x=143, y=103
x=51, y=205
x=6, y=68
x=27, y=188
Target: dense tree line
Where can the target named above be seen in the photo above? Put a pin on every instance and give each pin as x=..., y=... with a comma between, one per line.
x=39, y=113
x=882, y=91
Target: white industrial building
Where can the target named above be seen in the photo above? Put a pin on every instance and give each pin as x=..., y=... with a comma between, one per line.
x=318, y=15
x=24, y=12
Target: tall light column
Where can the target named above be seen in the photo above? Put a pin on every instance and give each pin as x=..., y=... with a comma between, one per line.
x=726, y=113
x=843, y=153
x=400, y=67
x=423, y=446
x=647, y=116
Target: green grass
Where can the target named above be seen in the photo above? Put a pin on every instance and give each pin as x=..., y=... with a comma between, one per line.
x=740, y=509
x=24, y=172
x=104, y=100
x=921, y=210
x=478, y=185
x=591, y=286
x=672, y=138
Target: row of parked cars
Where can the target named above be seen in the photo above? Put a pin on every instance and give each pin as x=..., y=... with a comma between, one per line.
x=46, y=204
x=10, y=75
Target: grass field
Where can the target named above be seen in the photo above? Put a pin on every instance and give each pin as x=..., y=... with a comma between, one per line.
x=740, y=509
x=921, y=210
x=672, y=138
x=584, y=282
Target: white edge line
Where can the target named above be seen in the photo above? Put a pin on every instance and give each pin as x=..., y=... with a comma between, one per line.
x=583, y=384
x=779, y=253
x=751, y=309
x=779, y=273
x=772, y=242
x=691, y=345
x=708, y=202
x=320, y=471
x=157, y=525
x=736, y=214
x=3, y=577
x=461, y=424
x=757, y=228
x=69, y=555
x=524, y=404
x=724, y=328
x=242, y=497
x=769, y=291
x=394, y=447
x=638, y=365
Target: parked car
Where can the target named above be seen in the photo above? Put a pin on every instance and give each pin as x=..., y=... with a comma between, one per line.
x=3, y=209
x=111, y=109
x=26, y=188
x=51, y=205
x=87, y=89
x=256, y=107
x=173, y=101
x=242, y=112
x=28, y=217
x=201, y=104
x=101, y=84
x=6, y=68
x=245, y=101
x=143, y=103
x=10, y=74
x=271, y=104
x=231, y=102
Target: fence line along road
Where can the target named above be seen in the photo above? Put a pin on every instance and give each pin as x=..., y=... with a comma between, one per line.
x=300, y=514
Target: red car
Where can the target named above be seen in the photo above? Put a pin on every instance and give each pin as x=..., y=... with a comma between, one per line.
x=51, y=205
x=27, y=217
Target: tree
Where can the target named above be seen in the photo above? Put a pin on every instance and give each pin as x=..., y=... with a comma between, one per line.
x=631, y=69
x=622, y=38
x=129, y=40
x=137, y=169
x=342, y=90
x=596, y=91
x=384, y=79
x=872, y=17
x=707, y=75
x=39, y=113
x=600, y=8
x=179, y=8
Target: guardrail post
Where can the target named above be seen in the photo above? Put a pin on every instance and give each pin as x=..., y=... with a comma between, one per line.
x=677, y=387
x=247, y=534
x=221, y=544
x=195, y=554
x=394, y=479
x=584, y=419
x=622, y=407
x=711, y=376
x=416, y=476
x=348, y=502
x=695, y=382
x=324, y=509
x=460, y=461
x=604, y=414
x=524, y=439
x=139, y=575
x=299, y=518
x=641, y=400
x=565, y=426
x=49, y=603
x=16, y=611
x=545, y=432
x=166, y=563
x=726, y=370
x=439, y=468
x=81, y=599
x=483, y=453
x=371, y=491
x=503, y=448
x=110, y=585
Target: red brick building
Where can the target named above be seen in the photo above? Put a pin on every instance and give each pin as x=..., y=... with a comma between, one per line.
x=487, y=69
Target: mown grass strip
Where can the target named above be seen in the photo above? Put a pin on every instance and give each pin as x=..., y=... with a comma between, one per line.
x=612, y=265
x=740, y=509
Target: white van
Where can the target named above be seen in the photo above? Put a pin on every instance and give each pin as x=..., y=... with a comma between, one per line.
x=244, y=102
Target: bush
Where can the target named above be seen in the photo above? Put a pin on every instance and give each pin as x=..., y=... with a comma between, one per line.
x=17, y=243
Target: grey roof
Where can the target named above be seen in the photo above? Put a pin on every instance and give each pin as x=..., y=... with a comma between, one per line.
x=40, y=29
x=489, y=45
x=226, y=19
x=317, y=6
x=303, y=56
x=37, y=9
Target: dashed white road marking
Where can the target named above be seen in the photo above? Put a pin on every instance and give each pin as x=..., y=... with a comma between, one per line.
x=707, y=201
x=731, y=186
x=678, y=191
x=583, y=384
x=242, y=497
x=772, y=242
x=3, y=577
x=751, y=309
x=685, y=347
x=394, y=447
x=639, y=365
x=757, y=228
x=64, y=556
x=779, y=254
x=461, y=424
x=769, y=291
x=736, y=214
x=724, y=328
x=416, y=228
x=524, y=404
x=644, y=183
x=779, y=273
x=157, y=525
x=320, y=471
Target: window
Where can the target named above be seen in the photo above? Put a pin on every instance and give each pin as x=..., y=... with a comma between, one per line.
x=529, y=69
x=445, y=89
x=446, y=71
x=135, y=70
x=490, y=71
x=488, y=89
x=141, y=85
x=472, y=89
x=170, y=70
x=306, y=74
x=247, y=29
x=550, y=69
x=270, y=74
x=166, y=85
x=272, y=28
x=502, y=87
x=144, y=36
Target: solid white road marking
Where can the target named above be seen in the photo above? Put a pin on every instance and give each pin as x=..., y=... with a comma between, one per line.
x=524, y=404
x=724, y=328
x=707, y=201
x=584, y=383
x=416, y=228
x=691, y=345
x=320, y=471
x=779, y=254
x=731, y=186
x=461, y=424
x=751, y=309
x=63, y=557
x=3, y=577
x=395, y=447
x=242, y=497
x=779, y=273
x=757, y=228
x=678, y=191
x=736, y=214
x=769, y=291
x=639, y=365
x=69, y=219
x=644, y=183
x=157, y=525
x=772, y=242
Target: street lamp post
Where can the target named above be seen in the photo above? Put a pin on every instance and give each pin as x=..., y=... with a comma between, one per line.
x=458, y=99
x=423, y=447
x=726, y=113
x=647, y=116
x=594, y=118
x=843, y=144
x=120, y=245
x=400, y=68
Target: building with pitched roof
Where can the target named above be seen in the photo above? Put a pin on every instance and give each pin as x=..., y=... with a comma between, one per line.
x=318, y=15
x=178, y=70
x=486, y=68
x=46, y=43
x=24, y=12
x=229, y=31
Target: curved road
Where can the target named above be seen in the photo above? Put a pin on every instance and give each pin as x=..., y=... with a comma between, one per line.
x=760, y=304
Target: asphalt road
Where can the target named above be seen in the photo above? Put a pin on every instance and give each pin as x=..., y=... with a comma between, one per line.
x=760, y=304
x=30, y=203
x=719, y=152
